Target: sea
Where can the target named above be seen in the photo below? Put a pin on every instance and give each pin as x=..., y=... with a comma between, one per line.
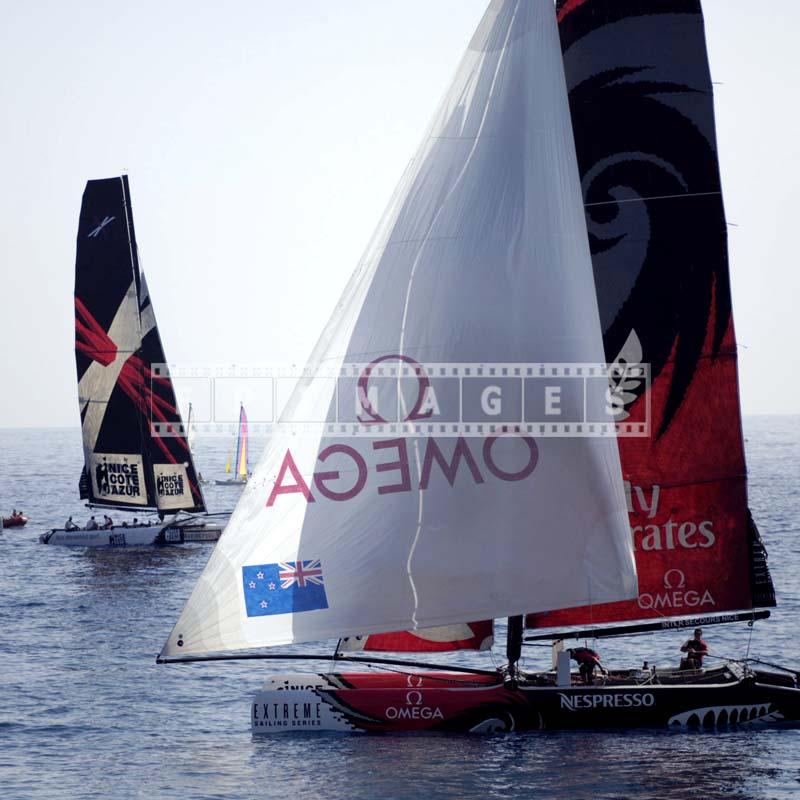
x=85, y=712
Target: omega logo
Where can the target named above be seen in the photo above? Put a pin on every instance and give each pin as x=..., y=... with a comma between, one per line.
x=675, y=595
x=423, y=385
x=674, y=579
x=414, y=699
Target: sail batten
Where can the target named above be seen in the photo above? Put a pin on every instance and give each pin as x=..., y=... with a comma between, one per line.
x=136, y=456
x=481, y=257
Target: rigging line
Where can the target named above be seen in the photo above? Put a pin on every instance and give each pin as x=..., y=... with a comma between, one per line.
x=648, y=199
x=456, y=183
x=751, y=625
x=316, y=657
x=774, y=666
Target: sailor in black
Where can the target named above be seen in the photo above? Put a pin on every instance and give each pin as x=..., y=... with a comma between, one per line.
x=695, y=649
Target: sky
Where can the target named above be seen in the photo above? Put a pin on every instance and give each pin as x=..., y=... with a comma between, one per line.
x=263, y=140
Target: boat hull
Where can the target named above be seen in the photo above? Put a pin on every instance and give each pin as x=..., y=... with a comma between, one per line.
x=459, y=703
x=14, y=522
x=140, y=536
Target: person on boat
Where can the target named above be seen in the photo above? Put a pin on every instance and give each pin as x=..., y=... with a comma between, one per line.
x=588, y=660
x=91, y=525
x=69, y=525
x=695, y=649
x=135, y=522
x=108, y=523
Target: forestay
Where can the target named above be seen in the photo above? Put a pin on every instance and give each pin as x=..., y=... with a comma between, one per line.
x=482, y=257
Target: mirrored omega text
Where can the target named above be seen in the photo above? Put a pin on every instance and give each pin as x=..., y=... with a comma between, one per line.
x=287, y=715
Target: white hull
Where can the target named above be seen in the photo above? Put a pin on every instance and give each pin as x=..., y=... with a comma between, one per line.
x=171, y=532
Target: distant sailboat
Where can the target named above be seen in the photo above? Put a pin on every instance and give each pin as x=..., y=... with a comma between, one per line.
x=136, y=455
x=240, y=464
x=191, y=431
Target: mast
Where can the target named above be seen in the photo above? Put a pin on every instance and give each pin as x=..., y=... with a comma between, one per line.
x=516, y=627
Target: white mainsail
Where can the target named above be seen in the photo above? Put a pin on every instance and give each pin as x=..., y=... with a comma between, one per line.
x=481, y=257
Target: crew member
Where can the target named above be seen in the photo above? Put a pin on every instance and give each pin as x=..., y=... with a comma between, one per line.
x=91, y=525
x=69, y=525
x=695, y=650
x=588, y=660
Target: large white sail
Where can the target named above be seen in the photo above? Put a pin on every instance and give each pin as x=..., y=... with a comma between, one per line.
x=483, y=257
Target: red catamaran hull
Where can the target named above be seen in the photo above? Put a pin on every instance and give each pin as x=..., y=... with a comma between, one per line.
x=14, y=522
x=458, y=703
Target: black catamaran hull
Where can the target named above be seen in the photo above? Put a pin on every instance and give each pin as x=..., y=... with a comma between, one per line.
x=457, y=703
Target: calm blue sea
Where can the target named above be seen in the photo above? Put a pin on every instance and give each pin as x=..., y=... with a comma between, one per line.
x=86, y=713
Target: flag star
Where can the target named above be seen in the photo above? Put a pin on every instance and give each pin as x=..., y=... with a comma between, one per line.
x=272, y=586
x=264, y=604
x=260, y=576
x=252, y=584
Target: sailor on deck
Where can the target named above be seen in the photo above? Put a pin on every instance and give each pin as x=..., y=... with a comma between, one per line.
x=69, y=525
x=588, y=660
x=695, y=649
x=91, y=525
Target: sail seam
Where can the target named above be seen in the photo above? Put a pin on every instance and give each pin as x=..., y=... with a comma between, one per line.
x=500, y=63
x=656, y=197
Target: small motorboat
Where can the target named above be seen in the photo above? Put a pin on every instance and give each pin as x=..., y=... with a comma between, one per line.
x=16, y=520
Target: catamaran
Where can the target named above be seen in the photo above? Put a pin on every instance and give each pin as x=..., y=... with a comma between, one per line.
x=240, y=464
x=136, y=455
x=482, y=267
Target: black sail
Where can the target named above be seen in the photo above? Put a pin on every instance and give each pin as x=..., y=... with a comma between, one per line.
x=126, y=465
x=174, y=474
x=642, y=105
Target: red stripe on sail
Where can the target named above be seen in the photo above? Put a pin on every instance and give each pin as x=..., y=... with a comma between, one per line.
x=569, y=7
x=688, y=503
x=90, y=338
x=409, y=642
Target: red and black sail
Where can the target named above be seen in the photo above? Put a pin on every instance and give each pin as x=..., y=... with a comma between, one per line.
x=642, y=106
x=135, y=448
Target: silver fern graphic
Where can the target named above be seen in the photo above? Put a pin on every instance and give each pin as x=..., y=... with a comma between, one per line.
x=626, y=376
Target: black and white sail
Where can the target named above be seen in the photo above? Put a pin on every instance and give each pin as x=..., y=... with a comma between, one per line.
x=135, y=450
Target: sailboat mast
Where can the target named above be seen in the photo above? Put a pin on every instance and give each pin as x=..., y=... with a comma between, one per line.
x=516, y=628
x=238, y=444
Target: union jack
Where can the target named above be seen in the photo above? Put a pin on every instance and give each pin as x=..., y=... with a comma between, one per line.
x=300, y=572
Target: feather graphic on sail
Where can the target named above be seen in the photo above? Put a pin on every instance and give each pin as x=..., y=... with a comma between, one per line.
x=626, y=378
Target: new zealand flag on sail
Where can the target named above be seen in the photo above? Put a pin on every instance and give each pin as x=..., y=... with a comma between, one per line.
x=283, y=588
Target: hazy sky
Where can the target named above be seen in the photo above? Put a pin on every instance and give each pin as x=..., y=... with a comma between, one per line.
x=263, y=140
